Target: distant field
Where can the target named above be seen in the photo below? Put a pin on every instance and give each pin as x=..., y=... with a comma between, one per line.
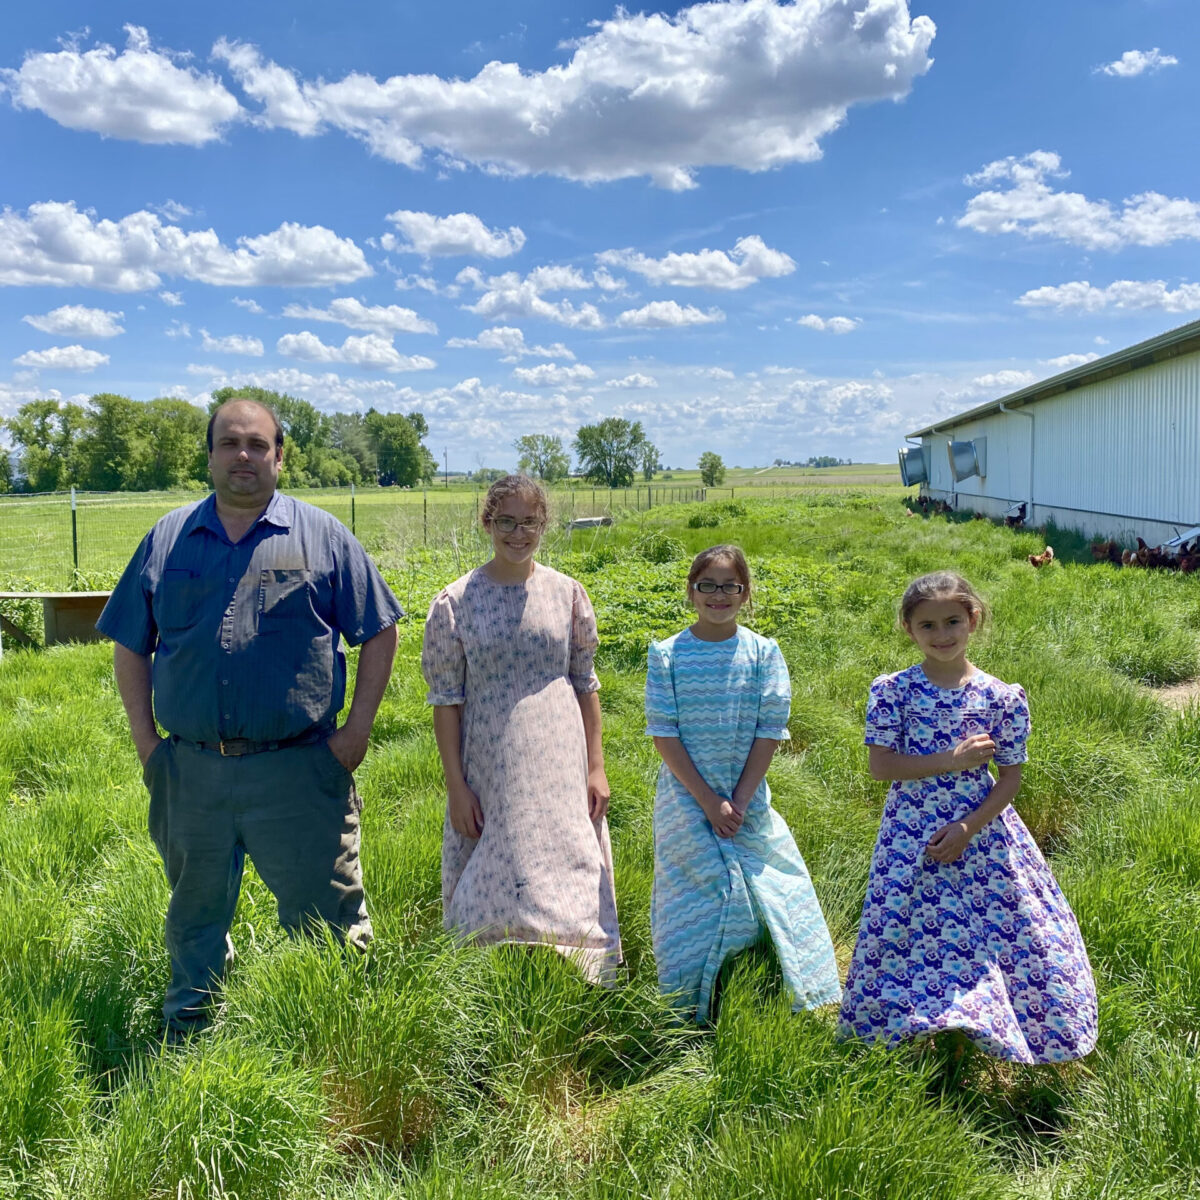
x=430, y=1072
x=37, y=549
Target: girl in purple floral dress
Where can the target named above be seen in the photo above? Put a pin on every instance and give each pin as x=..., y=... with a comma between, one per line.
x=964, y=927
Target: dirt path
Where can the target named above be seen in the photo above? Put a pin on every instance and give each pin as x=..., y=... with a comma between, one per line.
x=1179, y=695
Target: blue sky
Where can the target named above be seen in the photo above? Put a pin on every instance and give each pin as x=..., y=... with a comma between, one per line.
x=772, y=230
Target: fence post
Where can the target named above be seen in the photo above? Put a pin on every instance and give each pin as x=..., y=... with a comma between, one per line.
x=74, y=533
x=353, y=530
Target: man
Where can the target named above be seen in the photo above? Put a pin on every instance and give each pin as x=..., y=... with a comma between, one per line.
x=227, y=623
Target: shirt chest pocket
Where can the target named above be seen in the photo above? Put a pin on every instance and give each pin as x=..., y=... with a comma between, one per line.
x=179, y=601
x=284, y=596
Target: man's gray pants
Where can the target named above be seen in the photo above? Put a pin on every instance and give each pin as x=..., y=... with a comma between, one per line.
x=294, y=811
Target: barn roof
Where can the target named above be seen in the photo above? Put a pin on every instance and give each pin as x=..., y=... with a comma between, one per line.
x=1183, y=340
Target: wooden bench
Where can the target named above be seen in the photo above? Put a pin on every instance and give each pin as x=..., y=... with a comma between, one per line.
x=69, y=617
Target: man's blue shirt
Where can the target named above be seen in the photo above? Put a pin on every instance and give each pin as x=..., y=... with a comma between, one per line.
x=245, y=636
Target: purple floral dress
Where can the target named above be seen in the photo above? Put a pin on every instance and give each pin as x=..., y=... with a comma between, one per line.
x=986, y=945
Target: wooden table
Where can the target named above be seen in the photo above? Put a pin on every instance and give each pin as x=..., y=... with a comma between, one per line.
x=69, y=617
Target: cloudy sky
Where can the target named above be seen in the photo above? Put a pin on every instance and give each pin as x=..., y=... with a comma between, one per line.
x=769, y=229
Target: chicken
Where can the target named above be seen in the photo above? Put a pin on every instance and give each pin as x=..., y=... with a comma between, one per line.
x=1040, y=560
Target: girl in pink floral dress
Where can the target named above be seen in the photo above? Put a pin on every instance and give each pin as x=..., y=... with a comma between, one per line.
x=508, y=658
x=964, y=927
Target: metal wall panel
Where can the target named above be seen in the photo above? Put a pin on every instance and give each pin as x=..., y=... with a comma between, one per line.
x=1129, y=446
x=1007, y=476
x=1126, y=447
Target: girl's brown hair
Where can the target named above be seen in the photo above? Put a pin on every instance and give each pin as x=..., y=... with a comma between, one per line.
x=941, y=585
x=516, y=485
x=723, y=553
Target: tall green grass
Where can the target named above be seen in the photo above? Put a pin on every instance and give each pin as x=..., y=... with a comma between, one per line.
x=424, y=1070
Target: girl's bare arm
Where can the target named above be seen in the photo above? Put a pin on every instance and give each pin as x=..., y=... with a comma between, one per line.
x=723, y=817
x=597, y=786
x=466, y=815
x=753, y=773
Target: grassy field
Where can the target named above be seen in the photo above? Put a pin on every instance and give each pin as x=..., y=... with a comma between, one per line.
x=424, y=1071
x=39, y=550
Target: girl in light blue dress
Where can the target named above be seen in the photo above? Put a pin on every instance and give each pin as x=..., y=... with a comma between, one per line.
x=726, y=868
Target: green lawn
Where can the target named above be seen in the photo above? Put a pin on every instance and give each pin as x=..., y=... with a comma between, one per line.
x=429, y=1072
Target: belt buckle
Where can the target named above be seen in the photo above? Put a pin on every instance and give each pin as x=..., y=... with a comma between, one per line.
x=231, y=743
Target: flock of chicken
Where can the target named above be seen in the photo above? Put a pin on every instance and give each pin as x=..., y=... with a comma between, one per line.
x=1183, y=554
x=1185, y=557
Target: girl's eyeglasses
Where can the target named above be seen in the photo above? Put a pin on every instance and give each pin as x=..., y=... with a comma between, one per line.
x=730, y=589
x=508, y=524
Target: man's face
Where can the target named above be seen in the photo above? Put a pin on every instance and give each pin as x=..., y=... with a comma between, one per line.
x=244, y=463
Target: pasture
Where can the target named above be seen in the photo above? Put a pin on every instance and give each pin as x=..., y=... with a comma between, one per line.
x=39, y=547
x=427, y=1071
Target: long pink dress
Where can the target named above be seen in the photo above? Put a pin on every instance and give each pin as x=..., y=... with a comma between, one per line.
x=516, y=656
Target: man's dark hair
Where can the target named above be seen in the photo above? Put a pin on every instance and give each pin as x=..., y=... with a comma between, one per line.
x=245, y=400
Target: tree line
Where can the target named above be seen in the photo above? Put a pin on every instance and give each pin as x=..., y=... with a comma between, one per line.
x=113, y=443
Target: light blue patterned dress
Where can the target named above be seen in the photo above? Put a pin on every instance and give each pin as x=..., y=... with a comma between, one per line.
x=987, y=944
x=715, y=896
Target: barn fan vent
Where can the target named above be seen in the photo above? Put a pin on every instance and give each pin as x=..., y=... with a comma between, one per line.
x=967, y=459
x=914, y=465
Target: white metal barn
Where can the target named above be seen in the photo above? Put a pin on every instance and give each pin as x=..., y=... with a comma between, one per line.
x=1111, y=448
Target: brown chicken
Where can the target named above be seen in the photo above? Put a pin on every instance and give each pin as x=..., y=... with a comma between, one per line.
x=1040, y=560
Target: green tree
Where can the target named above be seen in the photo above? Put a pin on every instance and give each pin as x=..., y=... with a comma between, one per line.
x=348, y=434
x=542, y=456
x=174, y=432
x=397, y=449
x=610, y=451
x=46, y=435
x=6, y=470
x=651, y=463
x=712, y=469
x=114, y=451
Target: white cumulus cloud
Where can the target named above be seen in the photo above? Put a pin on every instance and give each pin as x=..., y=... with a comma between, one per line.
x=379, y=318
x=752, y=85
x=510, y=341
x=1031, y=206
x=552, y=375
x=141, y=94
x=53, y=243
x=1130, y=294
x=62, y=358
x=829, y=324
x=668, y=314
x=750, y=260
x=459, y=233
x=171, y=299
x=74, y=320
x=635, y=381
x=251, y=306
x=509, y=297
x=234, y=343
x=371, y=350
x=1064, y=362
x=1006, y=380
x=1137, y=62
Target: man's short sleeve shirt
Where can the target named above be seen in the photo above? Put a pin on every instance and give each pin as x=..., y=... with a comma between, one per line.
x=245, y=635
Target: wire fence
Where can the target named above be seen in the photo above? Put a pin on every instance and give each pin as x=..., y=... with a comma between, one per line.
x=64, y=539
